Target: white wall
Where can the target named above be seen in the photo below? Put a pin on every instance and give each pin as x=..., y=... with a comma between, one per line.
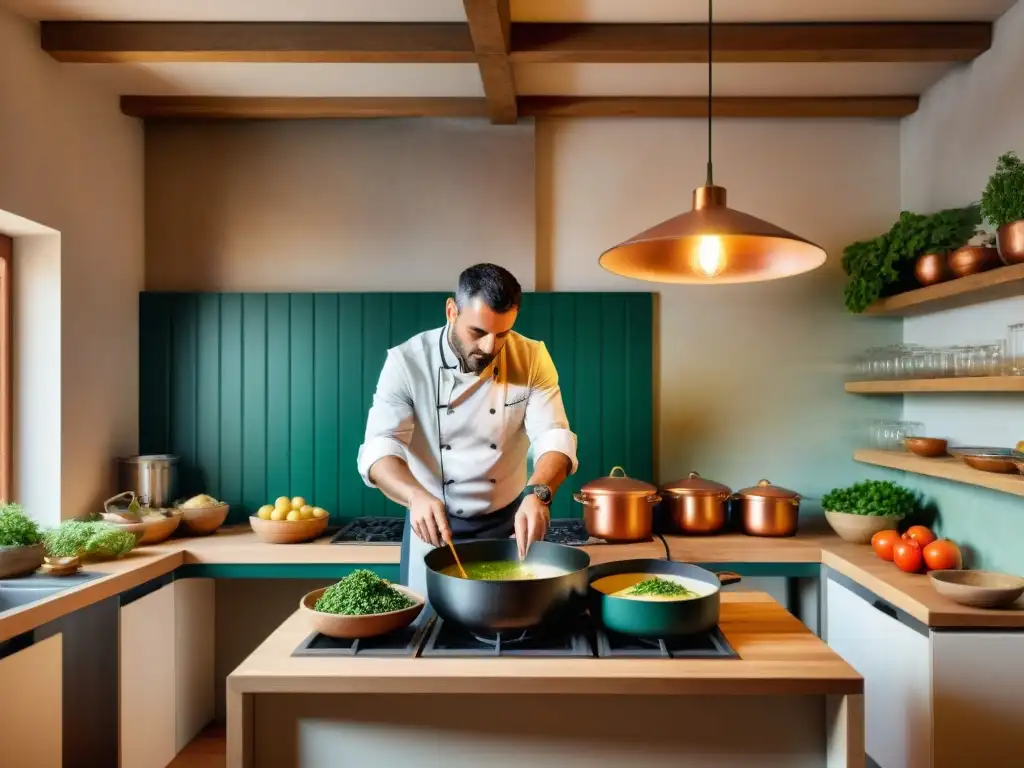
x=948, y=149
x=374, y=205
x=70, y=161
x=750, y=376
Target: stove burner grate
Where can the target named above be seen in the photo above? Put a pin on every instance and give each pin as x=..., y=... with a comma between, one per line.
x=453, y=641
x=404, y=642
x=703, y=645
x=388, y=530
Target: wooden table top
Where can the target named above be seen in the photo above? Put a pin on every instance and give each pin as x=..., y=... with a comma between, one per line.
x=778, y=655
x=237, y=545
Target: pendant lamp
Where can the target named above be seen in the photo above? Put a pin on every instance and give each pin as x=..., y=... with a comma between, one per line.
x=712, y=243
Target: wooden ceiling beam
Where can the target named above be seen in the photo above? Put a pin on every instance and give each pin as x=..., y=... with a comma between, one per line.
x=296, y=108
x=490, y=24
x=106, y=42
x=725, y=106
x=750, y=43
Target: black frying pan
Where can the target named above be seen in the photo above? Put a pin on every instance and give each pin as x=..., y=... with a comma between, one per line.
x=650, y=619
x=493, y=607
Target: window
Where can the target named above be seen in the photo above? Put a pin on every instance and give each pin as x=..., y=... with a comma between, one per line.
x=6, y=358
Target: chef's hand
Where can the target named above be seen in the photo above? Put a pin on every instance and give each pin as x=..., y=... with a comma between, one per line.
x=428, y=519
x=531, y=523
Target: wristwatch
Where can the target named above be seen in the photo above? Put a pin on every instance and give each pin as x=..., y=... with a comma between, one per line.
x=541, y=491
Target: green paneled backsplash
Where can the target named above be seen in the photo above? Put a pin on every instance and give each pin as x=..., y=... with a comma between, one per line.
x=266, y=394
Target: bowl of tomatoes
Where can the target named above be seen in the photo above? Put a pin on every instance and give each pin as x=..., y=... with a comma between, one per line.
x=917, y=549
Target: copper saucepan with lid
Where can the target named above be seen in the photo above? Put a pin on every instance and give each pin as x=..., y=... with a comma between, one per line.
x=618, y=508
x=767, y=510
x=696, y=505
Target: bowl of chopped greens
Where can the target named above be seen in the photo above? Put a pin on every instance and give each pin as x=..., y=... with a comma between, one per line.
x=361, y=605
x=858, y=512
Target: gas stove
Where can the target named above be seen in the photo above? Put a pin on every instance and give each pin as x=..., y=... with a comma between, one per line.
x=430, y=636
x=388, y=530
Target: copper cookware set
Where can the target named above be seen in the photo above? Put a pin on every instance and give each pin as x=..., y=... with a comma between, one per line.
x=619, y=509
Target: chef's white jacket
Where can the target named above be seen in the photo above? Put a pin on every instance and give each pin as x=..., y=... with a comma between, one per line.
x=466, y=436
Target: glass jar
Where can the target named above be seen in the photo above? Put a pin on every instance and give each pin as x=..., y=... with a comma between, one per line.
x=1015, y=350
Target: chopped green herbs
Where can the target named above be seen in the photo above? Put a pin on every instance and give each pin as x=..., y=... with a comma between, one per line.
x=362, y=593
x=76, y=538
x=16, y=528
x=660, y=588
x=871, y=497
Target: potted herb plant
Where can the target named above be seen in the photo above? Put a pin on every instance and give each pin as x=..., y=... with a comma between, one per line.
x=1002, y=203
x=21, y=548
x=885, y=264
x=859, y=511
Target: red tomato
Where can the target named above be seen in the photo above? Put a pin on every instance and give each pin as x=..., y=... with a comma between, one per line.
x=943, y=555
x=907, y=556
x=920, y=534
x=883, y=542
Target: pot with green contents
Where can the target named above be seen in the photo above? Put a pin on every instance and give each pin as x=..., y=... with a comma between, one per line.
x=655, y=598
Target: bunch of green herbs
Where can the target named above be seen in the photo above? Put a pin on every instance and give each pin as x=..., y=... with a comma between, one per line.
x=882, y=498
x=1002, y=202
x=17, y=529
x=362, y=593
x=660, y=587
x=79, y=538
x=876, y=265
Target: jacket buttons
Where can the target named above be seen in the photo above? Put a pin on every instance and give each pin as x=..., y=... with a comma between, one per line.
x=493, y=481
x=449, y=482
x=494, y=447
x=458, y=512
x=447, y=447
x=493, y=411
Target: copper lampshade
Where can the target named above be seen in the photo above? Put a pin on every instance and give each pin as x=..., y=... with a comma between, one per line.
x=712, y=244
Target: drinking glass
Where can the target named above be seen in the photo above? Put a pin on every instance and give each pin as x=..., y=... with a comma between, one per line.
x=1015, y=349
x=991, y=359
x=962, y=360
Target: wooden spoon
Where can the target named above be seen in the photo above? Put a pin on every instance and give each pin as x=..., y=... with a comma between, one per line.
x=457, y=561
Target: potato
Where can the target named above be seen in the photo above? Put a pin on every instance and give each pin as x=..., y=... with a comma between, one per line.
x=284, y=504
x=264, y=512
x=278, y=514
x=319, y=512
x=294, y=515
x=298, y=502
x=306, y=512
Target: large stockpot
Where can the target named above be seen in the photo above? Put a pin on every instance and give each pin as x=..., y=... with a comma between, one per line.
x=696, y=505
x=658, y=619
x=618, y=508
x=152, y=478
x=499, y=607
x=767, y=510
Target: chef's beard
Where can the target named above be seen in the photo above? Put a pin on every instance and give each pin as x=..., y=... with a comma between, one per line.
x=471, y=362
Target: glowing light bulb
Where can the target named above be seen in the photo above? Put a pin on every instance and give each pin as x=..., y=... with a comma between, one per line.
x=709, y=256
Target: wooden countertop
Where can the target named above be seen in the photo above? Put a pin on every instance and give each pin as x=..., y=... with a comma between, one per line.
x=778, y=655
x=237, y=545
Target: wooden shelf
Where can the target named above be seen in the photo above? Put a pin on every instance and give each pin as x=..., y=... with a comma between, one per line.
x=997, y=283
x=948, y=468
x=960, y=384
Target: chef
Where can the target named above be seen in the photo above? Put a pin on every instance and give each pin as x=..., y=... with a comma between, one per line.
x=456, y=411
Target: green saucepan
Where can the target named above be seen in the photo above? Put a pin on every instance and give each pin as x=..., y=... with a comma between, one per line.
x=658, y=619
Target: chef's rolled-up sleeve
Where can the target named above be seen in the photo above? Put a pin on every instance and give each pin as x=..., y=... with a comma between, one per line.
x=391, y=419
x=546, y=422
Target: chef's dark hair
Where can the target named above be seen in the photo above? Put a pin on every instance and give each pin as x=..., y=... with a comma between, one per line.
x=495, y=285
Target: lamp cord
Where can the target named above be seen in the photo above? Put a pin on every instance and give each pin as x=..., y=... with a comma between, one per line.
x=710, y=180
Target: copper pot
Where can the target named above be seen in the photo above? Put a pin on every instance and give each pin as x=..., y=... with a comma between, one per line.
x=768, y=510
x=618, y=508
x=972, y=259
x=931, y=268
x=1010, y=242
x=696, y=505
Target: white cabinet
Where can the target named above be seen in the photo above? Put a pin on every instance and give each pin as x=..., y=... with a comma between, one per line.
x=31, y=706
x=147, y=705
x=194, y=684
x=895, y=661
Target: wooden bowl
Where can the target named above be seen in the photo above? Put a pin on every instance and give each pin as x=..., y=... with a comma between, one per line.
x=61, y=566
x=1006, y=465
x=926, y=446
x=288, y=531
x=202, y=521
x=858, y=529
x=148, y=531
x=979, y=589
x=354, y=627
x=20, y=561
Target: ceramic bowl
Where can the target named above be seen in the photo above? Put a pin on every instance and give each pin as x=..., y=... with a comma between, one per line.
x=979, y=589
x=288, y=531
x=62, y=566
x=858, y=529
x=20, y=561
x=1006, y=465
x=148, y=531
x=929, y=447
x=354, y=627
x=201, y=521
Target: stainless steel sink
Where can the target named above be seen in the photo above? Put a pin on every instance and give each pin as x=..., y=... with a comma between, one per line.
x=15, y=593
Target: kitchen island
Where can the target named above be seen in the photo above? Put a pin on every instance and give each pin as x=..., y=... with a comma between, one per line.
x=793, y=700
